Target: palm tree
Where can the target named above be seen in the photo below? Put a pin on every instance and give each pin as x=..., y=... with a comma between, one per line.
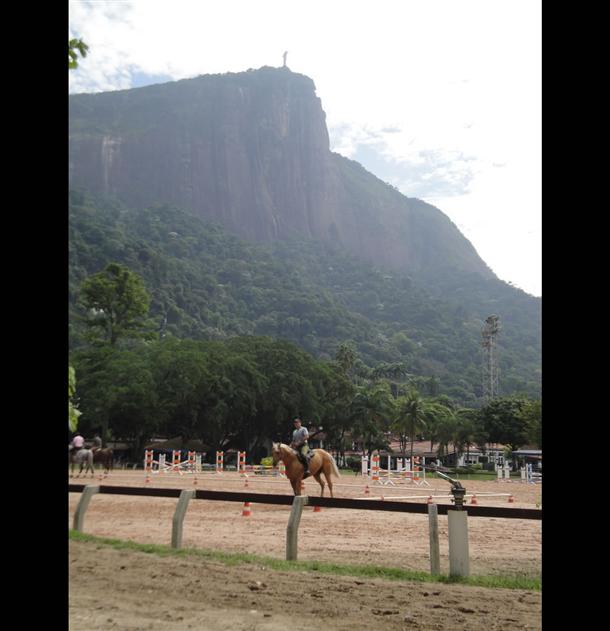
x=76, y=46
x=346, y=357
x=435, y=413
x=467, y=430
x=371, y=408
x=411, y=417
x=395, y=373
x=445, y=433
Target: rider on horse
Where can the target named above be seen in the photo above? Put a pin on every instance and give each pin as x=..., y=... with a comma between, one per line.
x=97, y=442
x=300, y=444
x=78, y=442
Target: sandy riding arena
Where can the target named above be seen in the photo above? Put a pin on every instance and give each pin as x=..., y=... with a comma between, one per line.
x=133, y=590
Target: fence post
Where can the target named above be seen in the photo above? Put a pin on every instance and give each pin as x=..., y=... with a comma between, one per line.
x=435, y=557
x=85, y=498
x=459, y=564
x=178, y=519
x=292, y=530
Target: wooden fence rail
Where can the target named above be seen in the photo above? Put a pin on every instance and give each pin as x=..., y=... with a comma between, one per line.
x=322, y=502
x=458, y=528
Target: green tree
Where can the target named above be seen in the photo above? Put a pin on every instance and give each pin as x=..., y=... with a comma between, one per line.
x=371, y=411
x=76, y=46
x=182, y=380
x=435, y=411
x=73, y=412
x=346, y=357
x=294, y=385
x=410, y=418
x=503, y=421
x=116, y=302
x=468, y=431
x=446, y=430
x=531, y=414
x=118, y=393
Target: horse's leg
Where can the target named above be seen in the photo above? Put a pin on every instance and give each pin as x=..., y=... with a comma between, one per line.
x=296, y=484
x=318, y=477
x=328, y=476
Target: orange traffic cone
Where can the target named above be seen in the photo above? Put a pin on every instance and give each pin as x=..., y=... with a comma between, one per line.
x=366, y=490
x=473, y=499
x=247, y=512
x=316, y=509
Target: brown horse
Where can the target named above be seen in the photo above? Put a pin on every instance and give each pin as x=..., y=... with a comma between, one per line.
x=321, y=462
x=103, y=456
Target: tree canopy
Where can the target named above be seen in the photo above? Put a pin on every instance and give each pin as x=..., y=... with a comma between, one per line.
x=73, y=411
x=76, y=47
x=116, y=301
x=207, y=284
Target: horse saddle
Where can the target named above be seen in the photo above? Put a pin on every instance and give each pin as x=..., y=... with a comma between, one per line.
x=306, y=460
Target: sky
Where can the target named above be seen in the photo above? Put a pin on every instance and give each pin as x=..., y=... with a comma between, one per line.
x=440, y=98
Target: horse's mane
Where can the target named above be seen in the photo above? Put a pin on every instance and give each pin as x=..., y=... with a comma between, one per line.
x=285, y=447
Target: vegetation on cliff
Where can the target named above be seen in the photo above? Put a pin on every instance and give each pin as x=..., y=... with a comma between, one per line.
x=205, y=284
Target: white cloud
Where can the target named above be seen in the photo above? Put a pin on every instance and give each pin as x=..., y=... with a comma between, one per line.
x=439, y=93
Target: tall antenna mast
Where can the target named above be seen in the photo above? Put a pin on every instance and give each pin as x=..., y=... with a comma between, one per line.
x=490, y=357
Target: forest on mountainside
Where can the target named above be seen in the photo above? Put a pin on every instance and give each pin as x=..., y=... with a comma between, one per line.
x=206, y=284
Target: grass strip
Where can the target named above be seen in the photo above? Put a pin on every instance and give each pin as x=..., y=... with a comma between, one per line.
x=362, y=571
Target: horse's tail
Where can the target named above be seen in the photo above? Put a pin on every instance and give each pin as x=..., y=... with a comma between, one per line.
x=335, y=470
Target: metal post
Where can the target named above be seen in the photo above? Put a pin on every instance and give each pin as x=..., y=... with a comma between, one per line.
x=178, y=519
x=459, y=564
x=292, y=530
x=435, y=555
x=85, y=498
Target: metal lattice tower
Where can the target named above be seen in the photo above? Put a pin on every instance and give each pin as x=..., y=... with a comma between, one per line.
x=490, y=357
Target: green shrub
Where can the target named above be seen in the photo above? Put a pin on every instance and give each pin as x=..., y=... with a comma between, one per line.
x=267, y=462
x=353, y=463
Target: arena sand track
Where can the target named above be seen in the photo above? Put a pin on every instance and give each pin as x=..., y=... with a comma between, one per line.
x=127, y=590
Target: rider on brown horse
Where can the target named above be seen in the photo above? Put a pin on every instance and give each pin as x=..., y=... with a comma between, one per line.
x=97, y=443
x=300, y=444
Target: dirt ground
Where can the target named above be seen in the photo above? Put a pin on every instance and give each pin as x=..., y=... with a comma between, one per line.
x=132, y=590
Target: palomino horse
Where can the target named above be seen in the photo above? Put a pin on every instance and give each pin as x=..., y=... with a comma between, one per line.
x=321, y=463
x=83, y=457
x=103, y=456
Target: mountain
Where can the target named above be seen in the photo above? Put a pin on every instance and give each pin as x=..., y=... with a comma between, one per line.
x=250, y=150
x=229, y=202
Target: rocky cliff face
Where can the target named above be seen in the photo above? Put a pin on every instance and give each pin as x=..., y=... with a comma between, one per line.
x=251, y=151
